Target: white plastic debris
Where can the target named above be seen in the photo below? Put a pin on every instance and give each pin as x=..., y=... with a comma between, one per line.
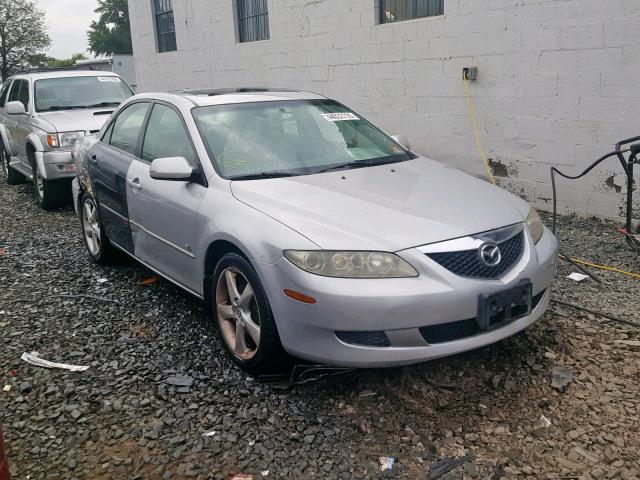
x=212, y=433
x=577, y=277
x=102, y=280
x=34, y=359
x=6, y=388
x=386, y=463
x=264, y=473
x=545, y=421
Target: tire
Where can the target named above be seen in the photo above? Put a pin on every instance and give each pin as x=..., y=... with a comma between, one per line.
x=49, y=194
x=8, y=174
x=264, y=356
x=100, y=249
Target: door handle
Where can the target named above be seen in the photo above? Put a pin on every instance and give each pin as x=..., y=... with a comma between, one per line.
x=93, y=159
x=134, y=184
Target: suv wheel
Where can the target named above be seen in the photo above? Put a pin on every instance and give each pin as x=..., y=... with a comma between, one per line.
x=7, y=173
x=95, y=238
x=49, y=193
x=244, y=319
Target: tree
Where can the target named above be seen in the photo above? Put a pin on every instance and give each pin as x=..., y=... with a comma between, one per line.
x=42, y=60
x=112, y=32
x=23, y=34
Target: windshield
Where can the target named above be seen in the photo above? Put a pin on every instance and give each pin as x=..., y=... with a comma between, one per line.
x=295, y=137
x=67, y=93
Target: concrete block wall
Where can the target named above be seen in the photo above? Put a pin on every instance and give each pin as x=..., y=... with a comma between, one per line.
x=558, y=80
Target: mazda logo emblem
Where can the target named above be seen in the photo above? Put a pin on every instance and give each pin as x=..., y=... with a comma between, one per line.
x=490, y=254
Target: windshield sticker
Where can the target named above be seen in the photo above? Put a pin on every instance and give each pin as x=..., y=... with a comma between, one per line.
x=339, y=117
x=109, y=79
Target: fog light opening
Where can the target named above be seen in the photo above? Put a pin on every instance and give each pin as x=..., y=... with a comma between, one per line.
x=300, y=297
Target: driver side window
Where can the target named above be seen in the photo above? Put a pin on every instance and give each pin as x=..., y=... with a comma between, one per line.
x=126, y=128
x=166, y=136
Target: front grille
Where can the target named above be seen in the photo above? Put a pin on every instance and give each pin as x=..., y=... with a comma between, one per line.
x=467, y=263
x=365, y=339
x=450, y=332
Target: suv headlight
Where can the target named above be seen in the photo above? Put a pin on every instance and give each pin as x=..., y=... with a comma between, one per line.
x=535, y=225
x=65, y=139
x=351, y=264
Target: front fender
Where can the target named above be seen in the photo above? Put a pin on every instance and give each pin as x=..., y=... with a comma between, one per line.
x=5, y=140
x=36, y=143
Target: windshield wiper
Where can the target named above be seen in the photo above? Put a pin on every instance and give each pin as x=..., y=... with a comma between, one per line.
x=59, y=107
x=358, y=164
x=264, y=175
x=102, y=104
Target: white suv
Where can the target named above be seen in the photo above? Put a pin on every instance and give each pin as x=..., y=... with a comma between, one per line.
x=42, y=115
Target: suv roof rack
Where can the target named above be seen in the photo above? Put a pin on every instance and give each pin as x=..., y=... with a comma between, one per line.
x=27, y=71
x=212, y=92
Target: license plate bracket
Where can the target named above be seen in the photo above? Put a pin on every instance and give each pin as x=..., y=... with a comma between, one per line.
x=498, y=309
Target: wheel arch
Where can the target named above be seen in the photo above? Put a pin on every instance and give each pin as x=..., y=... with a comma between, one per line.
x=35, y=149
x=215, y=251
x=5, y=140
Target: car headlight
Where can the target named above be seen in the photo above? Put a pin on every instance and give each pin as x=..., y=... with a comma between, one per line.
x=69, y=139
x=535, y=225
x=351, y=264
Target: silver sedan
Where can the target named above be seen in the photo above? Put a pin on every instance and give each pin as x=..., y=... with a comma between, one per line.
x=309, y=232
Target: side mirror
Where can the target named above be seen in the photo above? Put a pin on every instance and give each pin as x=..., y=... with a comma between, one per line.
x=402, y=140
x=16, y=108
x=176, y=169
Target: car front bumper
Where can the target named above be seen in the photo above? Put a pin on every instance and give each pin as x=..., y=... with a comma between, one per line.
x=56, y=165
x=398, y=307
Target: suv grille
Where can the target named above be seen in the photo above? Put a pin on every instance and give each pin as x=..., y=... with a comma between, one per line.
x=450, y=332
x=467, y=263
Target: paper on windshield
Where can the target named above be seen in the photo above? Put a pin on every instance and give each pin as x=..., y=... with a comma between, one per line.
x=109, y=79
x=339, y=117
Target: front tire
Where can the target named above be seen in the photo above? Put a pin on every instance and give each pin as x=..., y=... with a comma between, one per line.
x=95, y=238
x=49, y=194
x=243, y=317
x=8, y=174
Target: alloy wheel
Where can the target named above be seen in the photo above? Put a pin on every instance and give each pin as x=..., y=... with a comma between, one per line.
x=238, y=314
x=39, y=183
x=91, y=226
x=4, y=172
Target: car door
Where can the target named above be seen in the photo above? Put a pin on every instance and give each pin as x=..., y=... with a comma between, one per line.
x=109, y=161
x=11, y=121
x=4, y=94
x=164, y=214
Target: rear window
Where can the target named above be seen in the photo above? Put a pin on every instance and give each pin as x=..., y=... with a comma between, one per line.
x=69, y=93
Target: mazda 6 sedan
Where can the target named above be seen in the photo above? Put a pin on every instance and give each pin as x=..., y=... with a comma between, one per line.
x=308, y=232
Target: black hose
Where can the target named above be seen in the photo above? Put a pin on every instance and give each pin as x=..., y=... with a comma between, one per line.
x=599, y=314
x=554, y=170
x=584, y=270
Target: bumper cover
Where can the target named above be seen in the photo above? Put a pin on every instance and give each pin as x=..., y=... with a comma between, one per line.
x=55, y=165
x=398, y=307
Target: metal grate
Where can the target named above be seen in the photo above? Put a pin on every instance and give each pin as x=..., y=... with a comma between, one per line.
x=165, y=26
x=253, y=20
x=365, y=339
x=399, y=10
x=467, y=263
x=450, y=332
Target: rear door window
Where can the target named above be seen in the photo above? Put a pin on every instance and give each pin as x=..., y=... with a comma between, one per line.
x=4, y=93
x=127, y=127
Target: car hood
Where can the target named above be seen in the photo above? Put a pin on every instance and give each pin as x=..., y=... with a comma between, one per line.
x=88, y=120
x=387, y=207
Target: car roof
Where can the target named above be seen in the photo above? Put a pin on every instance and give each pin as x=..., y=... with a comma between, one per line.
x=207, y=97
x=64, y=74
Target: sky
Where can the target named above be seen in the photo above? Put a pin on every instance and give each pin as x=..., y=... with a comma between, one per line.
x=68, y=22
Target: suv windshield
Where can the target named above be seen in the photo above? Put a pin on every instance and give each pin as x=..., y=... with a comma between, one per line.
x=294, y=137
x=67, y=93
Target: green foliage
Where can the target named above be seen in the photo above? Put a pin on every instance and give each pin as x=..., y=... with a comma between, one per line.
x=23, y=34
x=43, y=61
x=111, y=34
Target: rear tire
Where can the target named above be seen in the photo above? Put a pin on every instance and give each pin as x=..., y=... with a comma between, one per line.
x=8, y=174
x=50, y=194
x=95, y=238
x=243, y=317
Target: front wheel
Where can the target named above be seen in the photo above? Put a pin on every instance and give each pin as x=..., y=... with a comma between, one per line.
x=244, y=319
x=100, y=249
x=50, y=194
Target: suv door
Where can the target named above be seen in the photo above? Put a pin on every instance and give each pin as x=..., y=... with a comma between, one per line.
x=109, y=161
x=164, y=214
x=20, y=126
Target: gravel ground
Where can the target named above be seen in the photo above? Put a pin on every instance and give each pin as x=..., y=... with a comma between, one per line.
x=124, y=419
